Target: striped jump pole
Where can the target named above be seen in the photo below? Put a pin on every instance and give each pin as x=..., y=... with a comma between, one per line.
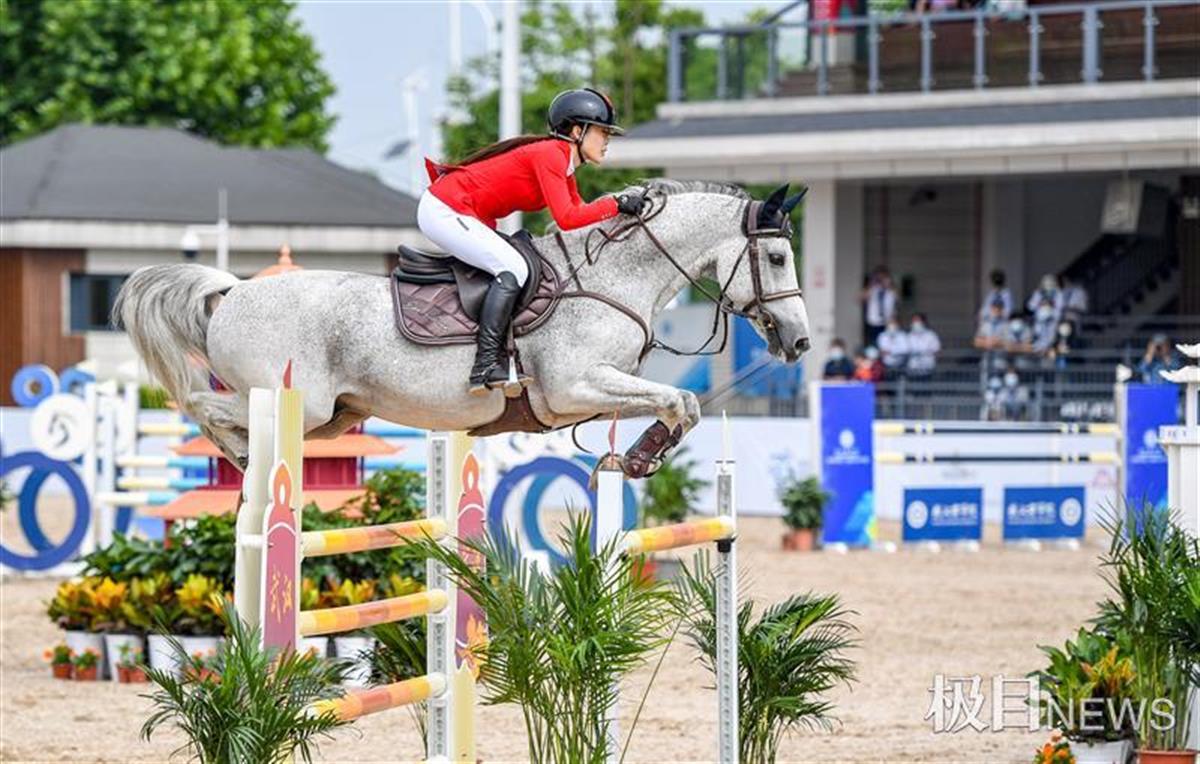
x=1044, y=428
x=136, y=498
x=168, y=429
x=1094, y=457
x=722, y=530
x=147, y=461
x=160, y=482
x=271, y=546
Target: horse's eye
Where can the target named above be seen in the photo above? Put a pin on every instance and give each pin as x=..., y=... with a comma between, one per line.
x=777, y=258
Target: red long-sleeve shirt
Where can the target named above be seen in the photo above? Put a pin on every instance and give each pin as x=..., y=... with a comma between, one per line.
x=527, y=178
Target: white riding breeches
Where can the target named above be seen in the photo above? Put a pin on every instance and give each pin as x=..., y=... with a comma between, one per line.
x=468, y=239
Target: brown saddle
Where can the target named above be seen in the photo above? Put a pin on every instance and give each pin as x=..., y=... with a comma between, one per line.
x=437, y=297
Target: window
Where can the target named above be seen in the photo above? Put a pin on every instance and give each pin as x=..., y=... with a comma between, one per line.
x=92, y=298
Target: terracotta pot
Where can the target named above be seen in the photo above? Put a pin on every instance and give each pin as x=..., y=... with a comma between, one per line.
x=86, y=674
x=137, y=675
x=1166, y=757
x=122, y=675
x=801, y=540
x=61, y=670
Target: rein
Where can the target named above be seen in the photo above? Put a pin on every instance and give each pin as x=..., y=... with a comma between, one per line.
x=723, y=306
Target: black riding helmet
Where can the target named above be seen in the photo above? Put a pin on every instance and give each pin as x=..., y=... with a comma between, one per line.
x=581, y=107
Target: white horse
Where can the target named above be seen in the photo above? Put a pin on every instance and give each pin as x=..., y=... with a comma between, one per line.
x=338, y=330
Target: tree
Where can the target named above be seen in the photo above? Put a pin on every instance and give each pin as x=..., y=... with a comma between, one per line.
x=238, y=73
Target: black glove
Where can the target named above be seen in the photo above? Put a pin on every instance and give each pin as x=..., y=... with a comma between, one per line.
x=631, y=203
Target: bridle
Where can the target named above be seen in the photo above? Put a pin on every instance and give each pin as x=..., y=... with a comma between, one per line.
x=755, y=310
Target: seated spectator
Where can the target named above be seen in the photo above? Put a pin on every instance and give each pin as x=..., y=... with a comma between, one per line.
x=1159, y=357
x=838, y=367
x=1045, y=329
x=923, y=347
x=893, y=349
x=1064, y=343
x=867, y=367
x=1047, y=292
x=1075, y=301
x=992, y=338
x=1006, y=397
x=1000, y=293
x=1020, y=343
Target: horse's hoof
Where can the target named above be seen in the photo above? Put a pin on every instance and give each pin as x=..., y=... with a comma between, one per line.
x=512, y=389
x=479, y=390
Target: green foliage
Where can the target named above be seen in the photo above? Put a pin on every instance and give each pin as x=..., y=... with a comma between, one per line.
x=246, y=704
x=1151, y=569
x=238, y=73
x=670, y=492
x=788, y=659
x=559, y=643
x=153, y=397
x=6, y=496
x=1093, y=668
x=803, y=503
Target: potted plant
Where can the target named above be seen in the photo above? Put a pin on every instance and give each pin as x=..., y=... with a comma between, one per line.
x=261, y=713
x=789, y=658
x=86, y=666
x=1055, y=751
x=1151, y=569
x=667, y=497
x=157, y=612
x=59, y=658
x=355, y=646
x=1086, y=691
x=113, y=613
x=73, y=610
x=130, y=668
x=199, y=624
x=803, y=512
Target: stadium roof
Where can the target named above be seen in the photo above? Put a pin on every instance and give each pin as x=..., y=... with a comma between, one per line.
x=163, y=175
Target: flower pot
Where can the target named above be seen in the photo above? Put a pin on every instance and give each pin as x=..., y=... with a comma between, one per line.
x=205, y=646
x=136, y=675
x=1166, y=757
x=1107, y=752
x=161, y=655
x=318, y=645
x=800, y=540
x=89, y=674
x=112, y=649
x=81, y=641
x=61, y=670
x=356, y=650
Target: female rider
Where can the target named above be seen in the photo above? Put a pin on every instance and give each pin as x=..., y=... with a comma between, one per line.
x=458, y=212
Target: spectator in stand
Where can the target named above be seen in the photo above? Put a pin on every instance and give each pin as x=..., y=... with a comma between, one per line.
x=838, y=367
x=923, y=347
x=1045, y=330
x=1075, y=301
x=867, y=367
x=893, y=349
x=879, y=304
x=1048, y=292
x=1006, y=397
x=1159, y=357
x=1020, y=343
x=1063, y=344
x=992, y=337
x=999, y=293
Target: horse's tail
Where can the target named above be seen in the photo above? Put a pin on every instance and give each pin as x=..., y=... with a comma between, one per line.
x=165, y=310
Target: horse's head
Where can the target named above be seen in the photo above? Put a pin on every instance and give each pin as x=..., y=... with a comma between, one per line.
x=759, y=278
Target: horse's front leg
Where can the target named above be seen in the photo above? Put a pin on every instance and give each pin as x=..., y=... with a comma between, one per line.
x=607, y=389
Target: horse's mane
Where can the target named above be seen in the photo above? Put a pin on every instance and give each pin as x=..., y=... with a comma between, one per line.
x=670, y=187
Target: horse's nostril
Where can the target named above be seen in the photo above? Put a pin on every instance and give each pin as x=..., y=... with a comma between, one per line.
x=802, y=345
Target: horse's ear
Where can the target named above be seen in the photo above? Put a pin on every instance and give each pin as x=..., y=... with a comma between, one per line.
x=790, y=204
x=769, y=210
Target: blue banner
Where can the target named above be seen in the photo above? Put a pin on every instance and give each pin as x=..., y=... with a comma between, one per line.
x=847, y=450
x=779, y=380
x=1044, y=512
x=1147, y=407
x=943, y=514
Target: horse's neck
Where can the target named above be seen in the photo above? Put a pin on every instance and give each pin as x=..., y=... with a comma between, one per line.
x=633, y=271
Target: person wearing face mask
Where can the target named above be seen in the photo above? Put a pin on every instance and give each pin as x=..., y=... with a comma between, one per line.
x=998, y=293
x=1048, y=292
x=879, y=304
x=838, y=368
x=1045, y=329
x=893, y=349
x=1075, y=301
x=1020, y=343
x=1158, y=357
x=867, y=367
x=992, y=338
x=923, y=347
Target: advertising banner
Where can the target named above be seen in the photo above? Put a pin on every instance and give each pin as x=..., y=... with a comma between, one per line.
x=1147, y=408
x=1043, y=512
x=943, y=514
x=847, y=468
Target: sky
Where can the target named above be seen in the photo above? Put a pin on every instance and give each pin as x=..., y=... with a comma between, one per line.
x=368, y=48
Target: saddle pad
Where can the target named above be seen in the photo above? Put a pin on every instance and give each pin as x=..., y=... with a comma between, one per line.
x=432, y=314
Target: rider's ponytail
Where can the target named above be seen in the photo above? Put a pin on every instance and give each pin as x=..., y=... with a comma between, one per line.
x=499, y=147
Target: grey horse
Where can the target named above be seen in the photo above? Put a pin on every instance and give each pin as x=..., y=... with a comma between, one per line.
x=337, y=328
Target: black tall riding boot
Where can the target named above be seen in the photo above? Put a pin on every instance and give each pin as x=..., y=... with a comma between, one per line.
x=491, y=362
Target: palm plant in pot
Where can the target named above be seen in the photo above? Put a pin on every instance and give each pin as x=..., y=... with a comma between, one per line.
x=1088, y=694
x=1151, y=569
x=667, y=497
x=789, y=658
x=803, y=512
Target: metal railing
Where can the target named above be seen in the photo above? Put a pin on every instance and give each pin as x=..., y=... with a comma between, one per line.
x=734, y=57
